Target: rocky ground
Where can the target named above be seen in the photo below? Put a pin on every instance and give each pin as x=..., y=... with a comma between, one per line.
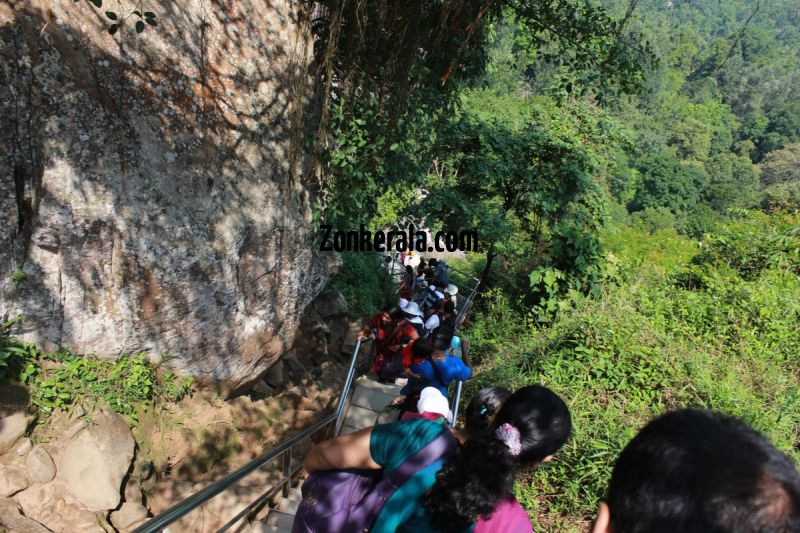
x=87, y=470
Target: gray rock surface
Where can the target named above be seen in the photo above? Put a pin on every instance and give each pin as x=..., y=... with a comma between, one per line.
x=276, y=376
x=154, y=189
x=12, y=480
x=41, y=467
x=12, y=428
x=23, y=447
x=94, y=463
x=11, y=518
x=329, y=304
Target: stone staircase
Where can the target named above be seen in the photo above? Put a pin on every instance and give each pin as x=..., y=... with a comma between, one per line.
x=367, y=400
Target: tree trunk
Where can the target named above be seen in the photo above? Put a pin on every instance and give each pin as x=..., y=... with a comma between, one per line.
x=490, y=255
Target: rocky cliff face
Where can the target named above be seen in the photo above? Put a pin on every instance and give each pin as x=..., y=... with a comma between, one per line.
x=151, y=186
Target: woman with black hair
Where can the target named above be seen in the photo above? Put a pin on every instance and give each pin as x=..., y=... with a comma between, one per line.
x=508, y=515
x=453, y=493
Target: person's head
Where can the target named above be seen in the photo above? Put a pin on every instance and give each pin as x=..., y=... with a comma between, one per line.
x=415, y=388
x=695, y=470
x=441, y=343
x=421, y=349
x=480, y=412
x=387, y=312
x=433, y=262
x=449, y=307
x=530, y=426
x=431, y=400
x=410, y=269
x=396, y=315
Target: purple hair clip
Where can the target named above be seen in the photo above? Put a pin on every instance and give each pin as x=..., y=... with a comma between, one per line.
x=509, y=435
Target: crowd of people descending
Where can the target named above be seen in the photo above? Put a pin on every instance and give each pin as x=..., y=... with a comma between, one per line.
x=688, y=470
x=415, y=337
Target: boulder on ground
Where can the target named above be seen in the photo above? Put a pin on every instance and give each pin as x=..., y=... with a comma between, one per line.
x=130, y=514
x=41, y=467
x=94, y=463
x=23, y=447
x=12, y=480
x=11, y=518
x=133, y=492
x=12, y=427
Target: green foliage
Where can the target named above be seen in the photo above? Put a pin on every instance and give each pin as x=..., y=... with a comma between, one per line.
x=653, y=219
x=59, y=380
x=668, y=183
x=692, y=139
x=781, y=196
x=11, y=352
x=515, y=175
x=661, y=251
x=119, y=20
x=700, y=220
x=18, y=276
x=715, y=333
x=782, y=166
x=733, y=182
x=753, y=243
x=576, y=265
x=364, y=282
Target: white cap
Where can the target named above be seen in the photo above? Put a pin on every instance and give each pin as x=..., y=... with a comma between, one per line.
x=431, y=400
x=411, y=308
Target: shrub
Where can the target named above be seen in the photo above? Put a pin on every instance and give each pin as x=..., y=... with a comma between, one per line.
x=364, y=282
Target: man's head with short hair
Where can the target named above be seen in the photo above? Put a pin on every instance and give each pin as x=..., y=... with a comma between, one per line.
x=441, y=342
x=694, y=471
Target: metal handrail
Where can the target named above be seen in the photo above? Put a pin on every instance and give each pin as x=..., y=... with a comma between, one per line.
x=202, y=496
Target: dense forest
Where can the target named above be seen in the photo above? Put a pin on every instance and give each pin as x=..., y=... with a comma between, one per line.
x=641, y=239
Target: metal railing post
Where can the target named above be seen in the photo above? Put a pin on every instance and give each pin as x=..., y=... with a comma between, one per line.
x=348, y=382
x=287, y=471
x=456, y=400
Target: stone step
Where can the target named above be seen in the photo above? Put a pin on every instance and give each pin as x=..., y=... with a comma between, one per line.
x=289, y=504
x=371, y=399
x=281, y=521
x=360, y=417
x=388, y=388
